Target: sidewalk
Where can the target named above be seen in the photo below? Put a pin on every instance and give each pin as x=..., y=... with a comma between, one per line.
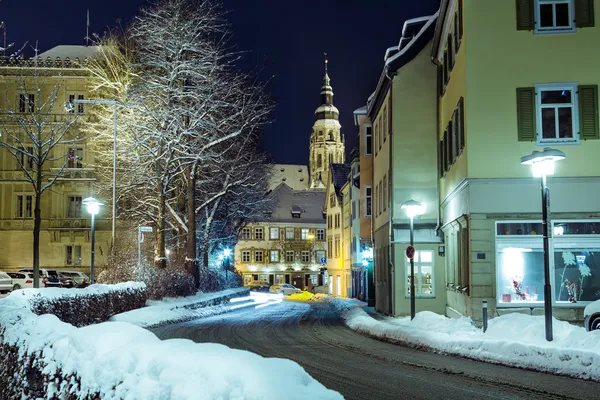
x=515, y=340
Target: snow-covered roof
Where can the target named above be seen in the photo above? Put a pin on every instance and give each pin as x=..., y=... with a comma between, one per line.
x=295, y=176
x=70, y=51
x=307, y=205
x=327, y=108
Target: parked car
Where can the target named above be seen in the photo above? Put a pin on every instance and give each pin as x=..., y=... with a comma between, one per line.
x=258, y=285
x=591, y=316
x=21, y=280
x=6, y=284
x=285, y=289
x=72, y=279
x=48, y=277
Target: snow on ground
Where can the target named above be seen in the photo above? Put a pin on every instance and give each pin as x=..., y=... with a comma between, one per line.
x=26, y=295
x=172, y=310
x=119, y=360
x=515, y=340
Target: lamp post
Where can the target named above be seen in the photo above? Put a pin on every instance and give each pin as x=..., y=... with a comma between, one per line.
x=69, y=106
x=224, y=258
x=542, y=164
x=413, y=208
x=93, y=207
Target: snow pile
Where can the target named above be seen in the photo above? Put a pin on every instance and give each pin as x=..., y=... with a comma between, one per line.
x=180, y=309
x=515, y=340
x=320, y=297
x=117, y=360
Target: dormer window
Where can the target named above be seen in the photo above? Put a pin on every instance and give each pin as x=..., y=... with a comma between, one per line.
x=296, y=212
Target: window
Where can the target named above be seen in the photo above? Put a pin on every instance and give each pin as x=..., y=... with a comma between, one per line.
x=385, y=123
x=376, y=199
x=26, y=103
x=245, y=234
x=80, y=107
x=368, y=191
x=259, y=233
x=74, y=207
x=319, y=160
x=337, y=247
x=304, y=233
x=25, y=161
x=384, y=192
x=289, y=256
x=258, y=256
x=332, y=200
x=320, y=255
x=376, y=138
x=274, y=256
x=353, y=209
x=380, y=130
x=245, y=256
x=305, y=256
x=369, y=140
x=329, y=223
x=557, y=113
x=338, y=284
x=380, y=198
x=274, y=233
x=24, y=206
x=424, y=279
x=554, y=16
x=289, y=233
x=329, y=248
x=452, y=133
x=338, y=220
x=75, y=159
x=73, y=255
x=320, y=234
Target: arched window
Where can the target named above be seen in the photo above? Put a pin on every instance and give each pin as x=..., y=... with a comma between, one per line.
x=319, y=160
x=331, y=135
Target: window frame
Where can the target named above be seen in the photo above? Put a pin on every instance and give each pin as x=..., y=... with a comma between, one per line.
x=368, y=140
x=274, y=259
x=23, y=212
x=293, y=232
x=418, y=282
x=262, y=256
x=368, y=201
x=276, y=236
x=574, y=88
x=75, y=261
x=287, y=255
x=244, y=258
x=262, y=233
x=304, y=233
x=320, y=234
x=537, y=29
x=246, y=233
x=303, y=254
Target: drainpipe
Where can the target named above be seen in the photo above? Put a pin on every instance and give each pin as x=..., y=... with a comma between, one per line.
x=438, y=227
x=390, y=191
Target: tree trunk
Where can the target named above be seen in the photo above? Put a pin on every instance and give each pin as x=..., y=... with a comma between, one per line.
x=192, y=256
x=160, y=260
x=37, y=225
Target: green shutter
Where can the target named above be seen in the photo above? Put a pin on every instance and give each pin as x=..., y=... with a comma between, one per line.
x=451, y=140
x=588, y=112
x=526, y=114
x=460, y=20
x=461, y=117
x=441, y=158
x=584, y=13
x=525, y=21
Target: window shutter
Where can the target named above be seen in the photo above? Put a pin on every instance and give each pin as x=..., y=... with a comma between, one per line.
x=584, y=13
x=588, y=112
x=441, y=158
x=461, y=121
x=451, y=52
x=446, y=69
x=460, y=21
x=452, y=140
x=526, y=114
x=447, y=150
x=440, y=81
x=525, y=21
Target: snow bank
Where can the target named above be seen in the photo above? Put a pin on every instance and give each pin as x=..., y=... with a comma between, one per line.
x=118, y=360
x=180, y=309
x=514, y=340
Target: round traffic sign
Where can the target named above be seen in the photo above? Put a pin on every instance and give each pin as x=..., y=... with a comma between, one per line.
x=410, y=252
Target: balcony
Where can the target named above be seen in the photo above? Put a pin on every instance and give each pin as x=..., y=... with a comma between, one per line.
x=67, y=224
x=13, y=118
x=74, y=174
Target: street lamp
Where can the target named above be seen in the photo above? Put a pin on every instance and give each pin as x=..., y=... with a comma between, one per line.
x=413, y=208
x=224, y=258
x=93, y=207
x=70, y=107
x=542, y=164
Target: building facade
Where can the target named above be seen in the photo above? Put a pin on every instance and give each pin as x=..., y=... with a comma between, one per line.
x=288, y=245
x=65, y=231
x=495, y=107
x=326, y=140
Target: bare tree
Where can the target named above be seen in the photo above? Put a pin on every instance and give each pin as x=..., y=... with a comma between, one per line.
x=36, y=130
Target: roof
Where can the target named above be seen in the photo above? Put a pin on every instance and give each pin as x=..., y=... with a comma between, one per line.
x=71, y=52
x=437, y=38
x=307, y=203
x=295, y=176
x=339, y=175
x=417, y=32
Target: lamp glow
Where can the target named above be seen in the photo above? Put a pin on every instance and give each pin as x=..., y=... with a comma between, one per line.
x=221, y=257
x=542, y=162
x=92, y=205
x=413, y=208
x=227, y=252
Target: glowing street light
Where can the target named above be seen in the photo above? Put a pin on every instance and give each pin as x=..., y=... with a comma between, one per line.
x=542, y=164
x=412, y=208
x=93, y=207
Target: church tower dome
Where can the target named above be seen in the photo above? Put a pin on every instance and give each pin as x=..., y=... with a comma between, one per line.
x=326, y=140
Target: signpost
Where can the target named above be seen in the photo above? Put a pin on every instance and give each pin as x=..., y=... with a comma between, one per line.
x=141, y=230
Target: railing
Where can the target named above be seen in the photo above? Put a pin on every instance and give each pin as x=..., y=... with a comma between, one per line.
x=75, y=223
x=28, y=118
x=87, y=174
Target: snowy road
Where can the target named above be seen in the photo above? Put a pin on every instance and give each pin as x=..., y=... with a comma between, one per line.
x=363, y=368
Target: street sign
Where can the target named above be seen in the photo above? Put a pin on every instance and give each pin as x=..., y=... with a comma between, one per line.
x=145, y=228
x=323, y=260
x=410, y=252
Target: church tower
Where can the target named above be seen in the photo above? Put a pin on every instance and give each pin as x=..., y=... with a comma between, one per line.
x=326, y=140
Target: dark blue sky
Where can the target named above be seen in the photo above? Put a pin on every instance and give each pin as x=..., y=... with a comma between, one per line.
x=285, y=39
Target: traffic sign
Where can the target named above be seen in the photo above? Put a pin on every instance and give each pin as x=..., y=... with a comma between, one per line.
x=323, y=260
x=410, y=252
x=145, y=228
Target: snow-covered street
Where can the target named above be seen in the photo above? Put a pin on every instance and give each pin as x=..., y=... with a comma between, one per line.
x=359, y=367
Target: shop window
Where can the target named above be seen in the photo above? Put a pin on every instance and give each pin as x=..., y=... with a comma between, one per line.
x=424, y=279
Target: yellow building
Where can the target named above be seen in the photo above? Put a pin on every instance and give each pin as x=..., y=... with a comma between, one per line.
x=403, y=111
x=362, y=204
x=518, y=76
x=65, y=230
x=338, y=270
x=289, y=244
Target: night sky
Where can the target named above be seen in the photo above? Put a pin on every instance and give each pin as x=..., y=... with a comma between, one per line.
x=284, y=40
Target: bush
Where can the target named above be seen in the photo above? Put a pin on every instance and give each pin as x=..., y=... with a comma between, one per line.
x=94, y=304
x=168, y=282
x=213, y=280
